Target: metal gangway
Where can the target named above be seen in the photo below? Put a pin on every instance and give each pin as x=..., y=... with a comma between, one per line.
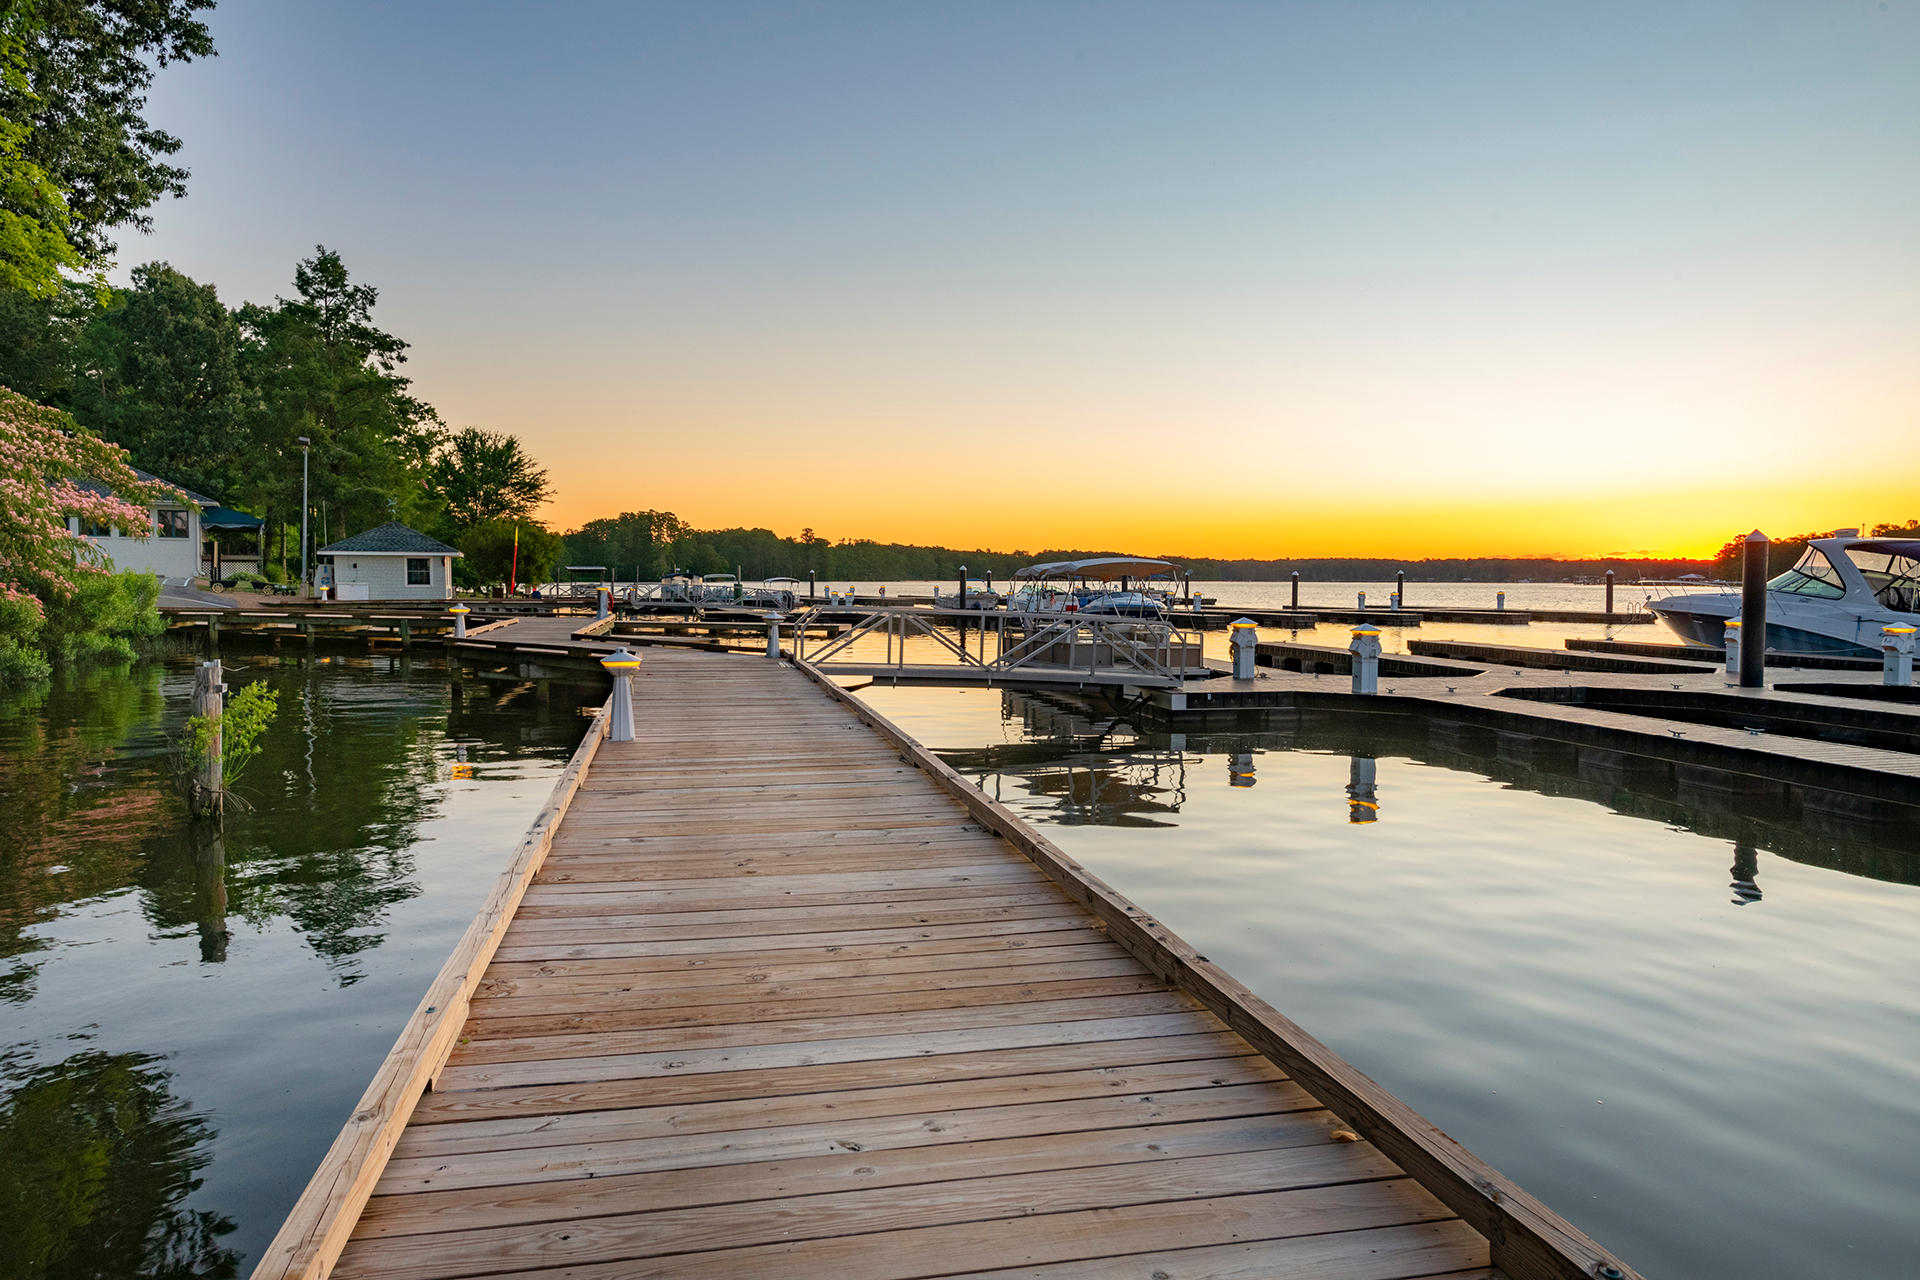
x=1028, y=648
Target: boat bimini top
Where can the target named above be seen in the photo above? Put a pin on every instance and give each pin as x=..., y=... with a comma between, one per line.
x=1098, y=569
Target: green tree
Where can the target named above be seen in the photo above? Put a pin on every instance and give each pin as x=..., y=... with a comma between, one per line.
x=485, y=475
x=77, y=100
x=159, y=374
x=318, y=366
x=639, y=543
x=35, y=223
x=488, y=557
x=38, y=338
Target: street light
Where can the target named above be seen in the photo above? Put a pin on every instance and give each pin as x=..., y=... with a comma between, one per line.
x=304, y=444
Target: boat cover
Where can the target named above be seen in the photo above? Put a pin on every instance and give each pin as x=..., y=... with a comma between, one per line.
x=1100, y=568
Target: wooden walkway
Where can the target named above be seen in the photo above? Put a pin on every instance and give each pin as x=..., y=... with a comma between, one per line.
x=773, y=992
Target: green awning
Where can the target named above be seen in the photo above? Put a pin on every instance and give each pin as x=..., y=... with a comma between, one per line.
x=228, y=518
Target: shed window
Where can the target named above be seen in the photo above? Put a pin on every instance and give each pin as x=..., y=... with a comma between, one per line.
x=170, y=524
x=418, y=574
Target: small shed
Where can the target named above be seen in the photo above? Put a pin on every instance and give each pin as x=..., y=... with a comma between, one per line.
x=391, y=562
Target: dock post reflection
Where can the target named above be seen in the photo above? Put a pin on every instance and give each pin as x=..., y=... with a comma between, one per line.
x=1240, y=769
x=1746, y=873
x=1363, y=795
x=210, y=893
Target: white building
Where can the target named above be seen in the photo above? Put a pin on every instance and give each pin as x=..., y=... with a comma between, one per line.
x=171, y=548
x=391, y=562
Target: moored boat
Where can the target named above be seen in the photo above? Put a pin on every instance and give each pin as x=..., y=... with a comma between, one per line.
x=1835, y=600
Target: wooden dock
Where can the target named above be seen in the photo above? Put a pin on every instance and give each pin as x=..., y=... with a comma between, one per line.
x=772, y=991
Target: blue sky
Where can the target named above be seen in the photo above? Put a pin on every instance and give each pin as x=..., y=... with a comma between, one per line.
x=1538, y=265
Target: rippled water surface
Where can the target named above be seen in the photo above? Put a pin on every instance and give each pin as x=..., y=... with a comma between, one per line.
x=187, y=1014
x=1683, y=1013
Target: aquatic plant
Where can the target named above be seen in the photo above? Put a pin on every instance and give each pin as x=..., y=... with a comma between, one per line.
x=247, y=714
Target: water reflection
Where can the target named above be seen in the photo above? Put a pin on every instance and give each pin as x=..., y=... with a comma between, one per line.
x=259, y=967
x=100, y=1156
x=1091, y=767
x=1538, y=946
x=1363, y=790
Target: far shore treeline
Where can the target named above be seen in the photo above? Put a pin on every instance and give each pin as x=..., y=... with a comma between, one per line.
x=646, y=545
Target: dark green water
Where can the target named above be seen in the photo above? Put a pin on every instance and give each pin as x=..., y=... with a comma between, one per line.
x=187, y=1015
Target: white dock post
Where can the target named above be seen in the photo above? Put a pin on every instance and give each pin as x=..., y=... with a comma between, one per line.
x=1732, y=642
x=1242, y=637
x=621, y=665
x=604, y=599
x=1363, y=599
x=773, y=634
x=1500, y=601
x=460, y=613
x=1896, y=655
x=1366, y=659
x=1393, y=602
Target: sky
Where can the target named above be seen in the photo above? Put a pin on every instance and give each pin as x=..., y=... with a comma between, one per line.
x=1272, y=279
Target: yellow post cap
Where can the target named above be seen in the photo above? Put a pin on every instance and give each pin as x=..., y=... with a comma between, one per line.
x=459, y=608
x=1366, y=630
x=1898, y=631
x=620, y=660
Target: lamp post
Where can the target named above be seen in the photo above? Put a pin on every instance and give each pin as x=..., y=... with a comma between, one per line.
x=305, y=444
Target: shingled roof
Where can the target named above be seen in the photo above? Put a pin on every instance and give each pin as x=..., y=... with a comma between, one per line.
x=389, y=539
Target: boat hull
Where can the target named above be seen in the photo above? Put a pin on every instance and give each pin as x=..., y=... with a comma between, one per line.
x=1702, y=620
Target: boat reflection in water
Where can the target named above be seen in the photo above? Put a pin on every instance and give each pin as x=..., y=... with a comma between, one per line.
x=1082, y=763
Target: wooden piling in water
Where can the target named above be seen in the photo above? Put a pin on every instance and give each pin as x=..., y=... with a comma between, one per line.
x=206, y=792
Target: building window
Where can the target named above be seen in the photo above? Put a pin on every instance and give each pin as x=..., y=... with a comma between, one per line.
x=170, y=524
x=417, y=574
x=95, y=528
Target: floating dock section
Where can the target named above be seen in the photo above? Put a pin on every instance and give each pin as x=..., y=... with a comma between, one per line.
x=771, y=991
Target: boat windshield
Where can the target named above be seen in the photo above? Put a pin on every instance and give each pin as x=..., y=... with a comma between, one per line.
x=1895, y=578
x=1813, y=576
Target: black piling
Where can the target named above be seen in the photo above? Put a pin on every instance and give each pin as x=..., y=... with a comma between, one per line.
x=1753, y=611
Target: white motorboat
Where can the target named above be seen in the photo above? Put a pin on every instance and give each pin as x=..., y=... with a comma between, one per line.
x=1835, y=600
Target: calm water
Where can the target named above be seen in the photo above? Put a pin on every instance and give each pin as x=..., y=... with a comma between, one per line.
x=1692, y=1029
x=186, y=1018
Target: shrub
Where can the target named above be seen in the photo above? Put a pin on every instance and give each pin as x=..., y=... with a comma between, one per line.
x=104, y=617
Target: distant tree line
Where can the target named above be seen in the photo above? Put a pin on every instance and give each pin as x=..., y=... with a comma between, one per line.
x=646, y=545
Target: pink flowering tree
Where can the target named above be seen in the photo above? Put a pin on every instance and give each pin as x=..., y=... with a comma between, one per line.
x=44, y=458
